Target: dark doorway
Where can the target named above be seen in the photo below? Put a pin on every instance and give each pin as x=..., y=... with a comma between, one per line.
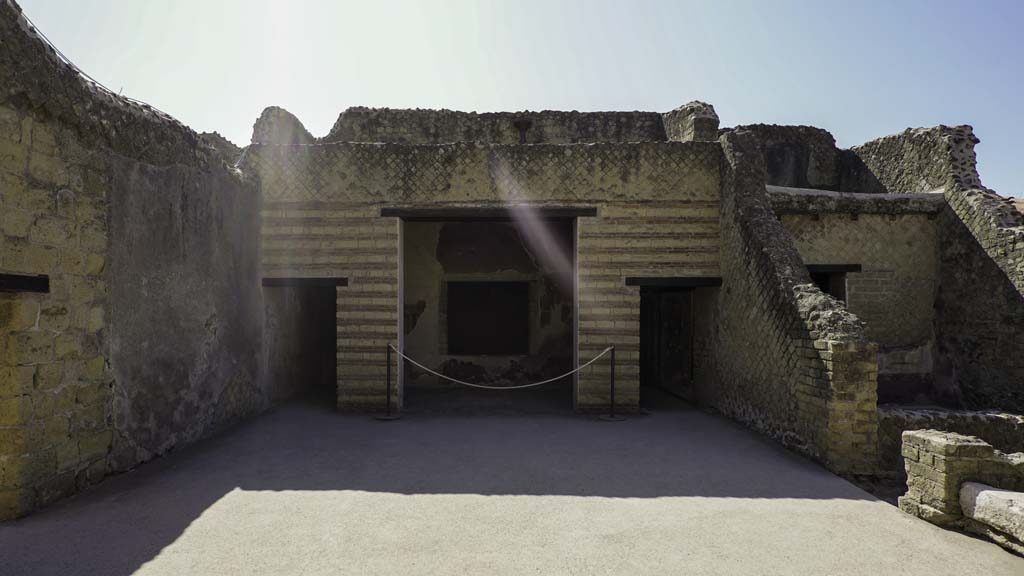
x=666, y=344
x=300, y=340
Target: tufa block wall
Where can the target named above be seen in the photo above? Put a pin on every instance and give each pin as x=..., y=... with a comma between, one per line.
x=939, y=463
x=1003, y=430
x=783, y=357
x=657, y=216
x=55, y=382
x=131, y=216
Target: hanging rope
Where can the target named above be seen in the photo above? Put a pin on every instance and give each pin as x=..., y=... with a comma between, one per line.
x=518, y=387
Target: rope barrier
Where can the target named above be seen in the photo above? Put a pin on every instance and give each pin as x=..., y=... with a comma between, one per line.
x=518, y=387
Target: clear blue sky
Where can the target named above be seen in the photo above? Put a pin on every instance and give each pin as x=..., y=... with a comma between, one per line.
x=858, y=69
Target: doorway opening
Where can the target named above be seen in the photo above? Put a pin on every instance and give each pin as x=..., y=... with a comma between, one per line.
x=491, y=302
x=300, y=338
x=666, y=345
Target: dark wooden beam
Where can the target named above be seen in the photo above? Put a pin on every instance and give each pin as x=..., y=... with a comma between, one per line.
x=832, y=268
x=674, y=281
x=304, y=282
x=500, y=214
x=24, y=283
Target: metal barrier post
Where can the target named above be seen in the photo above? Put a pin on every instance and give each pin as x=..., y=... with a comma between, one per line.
x=387, y=410
x=611, y=416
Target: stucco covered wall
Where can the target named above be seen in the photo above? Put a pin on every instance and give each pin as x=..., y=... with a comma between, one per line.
x=186, y=304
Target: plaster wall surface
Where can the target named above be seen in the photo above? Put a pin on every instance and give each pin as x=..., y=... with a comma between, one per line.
x=186, y=304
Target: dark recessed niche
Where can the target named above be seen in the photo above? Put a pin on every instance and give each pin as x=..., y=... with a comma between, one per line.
x=488, y=318
x=24, y=283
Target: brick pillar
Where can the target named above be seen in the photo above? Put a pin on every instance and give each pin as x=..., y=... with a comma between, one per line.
x=368, y=320
x=608, y=315
x=851, y=441
x=937, y=464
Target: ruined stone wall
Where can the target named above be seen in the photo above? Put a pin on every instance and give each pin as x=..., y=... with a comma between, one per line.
x=797, y=156
x=122, y=207
x=938, y=463
x=786, y=359
x=657, y=216
x=980, y=303
x=447, y=126
x=980, y=321
x=1002, y=430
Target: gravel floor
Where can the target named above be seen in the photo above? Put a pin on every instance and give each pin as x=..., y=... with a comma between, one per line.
x=302, y=490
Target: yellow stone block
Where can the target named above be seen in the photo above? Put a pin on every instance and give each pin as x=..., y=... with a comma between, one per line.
x=30, y=348
x=13, y=442
x=12, y=156
x=49, y=376
x=67, y=345
x=97, y=320
x=48, y=169
x=94, y=446
x=16, y=380
x=16, y=223
x=95, y=368
x=14, y=410
x=50, y=231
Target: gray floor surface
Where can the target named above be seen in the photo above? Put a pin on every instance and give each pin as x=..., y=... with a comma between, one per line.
x=302, y=490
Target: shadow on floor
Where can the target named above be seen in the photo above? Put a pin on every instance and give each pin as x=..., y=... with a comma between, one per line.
x=677, y=452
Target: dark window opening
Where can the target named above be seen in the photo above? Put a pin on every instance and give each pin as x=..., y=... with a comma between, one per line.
x=24, y=283
x=488, y=318
x=831, y=283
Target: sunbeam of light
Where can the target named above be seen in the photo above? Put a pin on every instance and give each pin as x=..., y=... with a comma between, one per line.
x=553, y=255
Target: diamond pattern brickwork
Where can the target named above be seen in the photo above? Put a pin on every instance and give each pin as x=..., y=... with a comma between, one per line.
x=658, y=216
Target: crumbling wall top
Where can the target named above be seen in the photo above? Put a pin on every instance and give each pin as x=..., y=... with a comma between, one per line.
x=359, y=124
x=279, y=126
x=36, y=77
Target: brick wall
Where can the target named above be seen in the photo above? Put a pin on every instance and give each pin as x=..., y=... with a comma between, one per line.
x=657, y=216
x=937, y=465
x=980, y=302
x=894, y=293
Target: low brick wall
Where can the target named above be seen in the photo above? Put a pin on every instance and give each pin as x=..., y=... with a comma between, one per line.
x=1003, y=430
x=939, y=463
